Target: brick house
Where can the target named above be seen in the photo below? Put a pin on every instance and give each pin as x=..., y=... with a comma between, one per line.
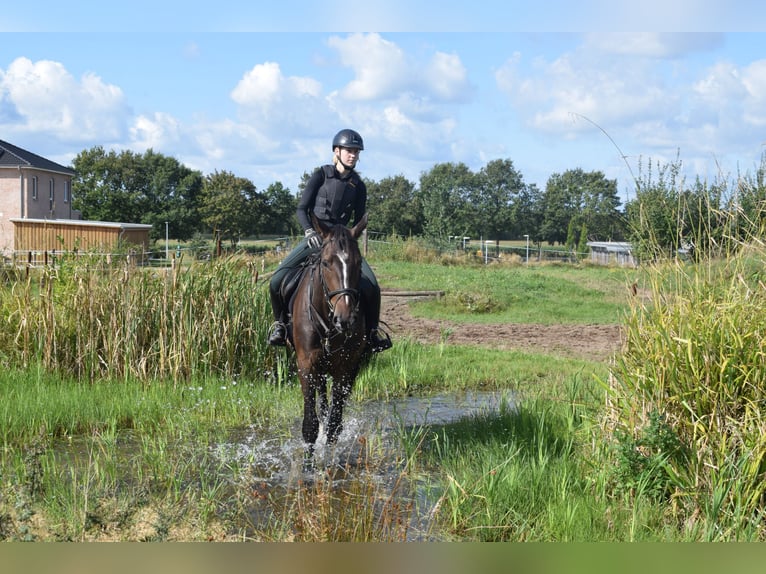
x=31, y=187
x=36, y=215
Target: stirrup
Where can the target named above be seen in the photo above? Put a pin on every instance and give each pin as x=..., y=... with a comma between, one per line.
x=278, y=335
x=377, y=343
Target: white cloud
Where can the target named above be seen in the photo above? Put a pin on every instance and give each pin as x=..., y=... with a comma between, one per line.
x=549, y=95
x=277, y=104
x=160, y=131
x=45, y=97
x=380, y=66
x=754, y=81
x=383, y=71
x=448, y=77
x=265, y=87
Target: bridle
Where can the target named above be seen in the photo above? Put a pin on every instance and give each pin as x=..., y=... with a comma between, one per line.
x=331, y=295
x=330, y=298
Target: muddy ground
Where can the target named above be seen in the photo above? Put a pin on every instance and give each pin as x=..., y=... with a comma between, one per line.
x=595, y=342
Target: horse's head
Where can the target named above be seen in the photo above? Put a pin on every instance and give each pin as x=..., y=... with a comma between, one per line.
x=340, y=271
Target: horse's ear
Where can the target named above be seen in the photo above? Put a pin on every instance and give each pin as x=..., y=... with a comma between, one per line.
x=319, y=226
x=356, y=231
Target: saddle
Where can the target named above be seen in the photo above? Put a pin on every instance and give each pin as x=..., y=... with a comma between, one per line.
x=289, y=287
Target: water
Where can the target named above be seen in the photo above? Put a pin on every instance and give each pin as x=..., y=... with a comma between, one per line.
x=263, y=469
x=371, y=430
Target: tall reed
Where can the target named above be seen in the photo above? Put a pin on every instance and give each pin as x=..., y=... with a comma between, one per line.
x=94, y=320
x=687, y=396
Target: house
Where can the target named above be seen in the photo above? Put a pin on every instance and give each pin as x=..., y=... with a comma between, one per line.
x=606, y=252
x=31, y=187
x=36, y=214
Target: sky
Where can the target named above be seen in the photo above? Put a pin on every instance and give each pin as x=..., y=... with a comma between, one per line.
x=260, y=91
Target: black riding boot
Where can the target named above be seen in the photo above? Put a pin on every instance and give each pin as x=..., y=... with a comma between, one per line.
x=378, y=342
x=278, y=336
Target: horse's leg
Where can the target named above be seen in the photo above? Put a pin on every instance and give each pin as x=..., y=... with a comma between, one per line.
x=311, y=380
x=341, y=389
x=322, y=392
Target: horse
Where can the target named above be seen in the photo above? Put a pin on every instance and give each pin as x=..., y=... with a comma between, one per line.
x=328, y=329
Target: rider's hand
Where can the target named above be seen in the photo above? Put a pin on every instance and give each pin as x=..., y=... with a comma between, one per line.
x=313, y=239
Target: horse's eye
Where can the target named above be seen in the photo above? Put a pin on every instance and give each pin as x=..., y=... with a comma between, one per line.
x=325, y=263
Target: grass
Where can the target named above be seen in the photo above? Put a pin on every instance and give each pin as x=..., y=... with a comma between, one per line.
x=114, y=415
x=547, y=294
x=413, y=368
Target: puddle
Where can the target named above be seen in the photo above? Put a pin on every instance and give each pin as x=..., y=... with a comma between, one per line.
x=262, y=468
x=272, y=459
x=276, y=466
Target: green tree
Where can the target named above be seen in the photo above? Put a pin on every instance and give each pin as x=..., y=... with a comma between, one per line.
x=587, y=198
x=562, y=202
x=394, y=206
x=748, y=204
x=666, y=215
x=445, y=193
x=137, y=188
x=498, y=187
x=571, y=242
x=528, y=213
x=173, y=194
x=230, y=206
x=280, y=210
x=106, y=186
x=601, y=207
x=582, y=244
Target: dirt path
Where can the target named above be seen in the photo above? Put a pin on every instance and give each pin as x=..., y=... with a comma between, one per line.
x=596, y=342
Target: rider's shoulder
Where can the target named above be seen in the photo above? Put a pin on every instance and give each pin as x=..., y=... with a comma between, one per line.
x=329, y=170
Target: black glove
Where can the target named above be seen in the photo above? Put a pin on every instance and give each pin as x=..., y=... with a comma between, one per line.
x=313, y=239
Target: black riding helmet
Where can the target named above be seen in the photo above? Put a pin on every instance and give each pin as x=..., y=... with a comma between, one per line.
x=348, y=139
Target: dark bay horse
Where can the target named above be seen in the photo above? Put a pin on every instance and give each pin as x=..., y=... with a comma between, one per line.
x=329, y=331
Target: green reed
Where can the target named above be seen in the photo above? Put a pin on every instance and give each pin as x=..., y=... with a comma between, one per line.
x=95, y=321
x=687, y=395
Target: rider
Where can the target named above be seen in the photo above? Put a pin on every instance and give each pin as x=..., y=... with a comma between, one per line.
x=332, y=193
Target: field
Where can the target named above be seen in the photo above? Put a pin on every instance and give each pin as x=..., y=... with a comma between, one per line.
x=189, y=430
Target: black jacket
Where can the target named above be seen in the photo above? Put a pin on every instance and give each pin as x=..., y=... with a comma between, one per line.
x=333, y=197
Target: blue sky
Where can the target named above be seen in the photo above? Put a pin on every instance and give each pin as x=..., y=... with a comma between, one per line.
x=260, y=95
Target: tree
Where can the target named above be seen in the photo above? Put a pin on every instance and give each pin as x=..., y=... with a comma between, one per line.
x=601, y=207
x=230, y=206
x=106, y=186
x=134, y=188
x=527, y=213
x=173, y=194
x=748, y=205
x=654, y=215
x=499, y=184
x=444, y=194
x=579, y=198
x=394, y=206
x=280, y=210
x=582, y=244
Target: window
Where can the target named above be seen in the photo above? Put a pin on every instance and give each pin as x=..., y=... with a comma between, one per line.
x=34, y=187
x=66, y=191
x=51, y=196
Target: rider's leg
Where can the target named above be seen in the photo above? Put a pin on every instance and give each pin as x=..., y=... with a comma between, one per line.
x=278, y=305
x=279, y=330
x=370, y=291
